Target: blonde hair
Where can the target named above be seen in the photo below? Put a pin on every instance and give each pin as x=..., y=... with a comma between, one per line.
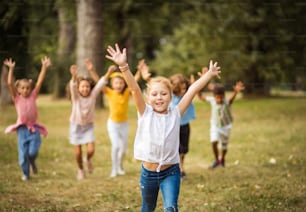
x=24, y=80
x=162, y=80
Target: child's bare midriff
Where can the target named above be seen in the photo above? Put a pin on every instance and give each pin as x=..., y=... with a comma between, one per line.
x=153, y=166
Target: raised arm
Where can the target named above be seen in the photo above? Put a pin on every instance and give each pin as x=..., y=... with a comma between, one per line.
x=210, y=85
x=120, y=59
x=144, y=70
x=92, y=71
x=239, y=86
x=45, y=63
x=196, y=87
x=73, y=72
x=10, y=80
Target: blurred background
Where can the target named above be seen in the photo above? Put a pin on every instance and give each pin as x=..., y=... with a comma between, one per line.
x=261, y=43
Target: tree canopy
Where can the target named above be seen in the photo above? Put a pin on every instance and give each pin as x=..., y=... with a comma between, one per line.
x=259, y=42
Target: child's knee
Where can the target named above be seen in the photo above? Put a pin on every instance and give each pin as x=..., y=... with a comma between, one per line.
x=224, y=146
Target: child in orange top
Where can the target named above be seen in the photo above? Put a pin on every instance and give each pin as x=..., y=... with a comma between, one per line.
x=118, y=96
x=27, y=126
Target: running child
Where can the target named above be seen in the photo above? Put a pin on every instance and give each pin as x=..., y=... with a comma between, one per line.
x=27, y=126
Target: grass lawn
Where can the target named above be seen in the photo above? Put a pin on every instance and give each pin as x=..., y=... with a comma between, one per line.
x=265, y=169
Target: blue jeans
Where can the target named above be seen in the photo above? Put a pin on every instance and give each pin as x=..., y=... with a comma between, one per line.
x=28, y=147
x=167, y=180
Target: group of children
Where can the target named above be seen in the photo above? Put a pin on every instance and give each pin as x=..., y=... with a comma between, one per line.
x=163, y=131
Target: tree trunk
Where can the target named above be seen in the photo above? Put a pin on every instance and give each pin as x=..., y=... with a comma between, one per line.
x=89, y=37
x=5, y=93
x=66, y=44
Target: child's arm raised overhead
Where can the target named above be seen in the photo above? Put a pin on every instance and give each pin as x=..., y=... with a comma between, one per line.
x=10, y=80
x=210, y=85
x=195, y=88
x=92, y=71
x=239, y=86
x=46, y=62
x=144, y=70
x=90, y=67
x=120, y=59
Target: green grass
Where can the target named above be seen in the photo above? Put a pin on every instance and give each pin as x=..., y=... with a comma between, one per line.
x=264, y=129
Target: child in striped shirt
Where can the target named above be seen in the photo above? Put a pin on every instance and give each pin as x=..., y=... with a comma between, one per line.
x=221, y=119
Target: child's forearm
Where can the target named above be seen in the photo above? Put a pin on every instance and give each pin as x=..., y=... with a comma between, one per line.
x=10, y=76
x=134, y=88
x=129, y=78
x=10, y=82
x=196, y=87
x=94, y=75
x=41, y=78
x=232, y=98
x=107, y=75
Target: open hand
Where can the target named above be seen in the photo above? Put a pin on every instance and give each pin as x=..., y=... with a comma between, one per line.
x=73, y=70
x=9, y=62
x=214, y=70
x=239, y=86
x=203, y=71
x=116, y=55
x=46, y=61
x=111, y=69
x=88, y=64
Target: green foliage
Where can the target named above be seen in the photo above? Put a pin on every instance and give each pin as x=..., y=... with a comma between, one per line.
x=259, y=42
x=253, y=41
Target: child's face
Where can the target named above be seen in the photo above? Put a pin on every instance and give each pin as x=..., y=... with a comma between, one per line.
x=183, y=89
x=84, y=88
x=118, y=84
x=159, y=97
x=24, y=88
x=219, y=98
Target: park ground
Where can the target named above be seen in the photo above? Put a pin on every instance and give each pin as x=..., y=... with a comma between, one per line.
x=265, y=169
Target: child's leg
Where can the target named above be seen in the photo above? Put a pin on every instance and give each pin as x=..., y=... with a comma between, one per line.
x=34, y=145
x=123, y=144
x=90, y=150
x=224, y=144
x=78, y=156
x=23, y=151
x=90, y=153
x=114, y=138
x=184, y=146
x=215, y=149
x=216, y=154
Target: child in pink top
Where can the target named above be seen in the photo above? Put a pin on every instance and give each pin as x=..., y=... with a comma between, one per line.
x=83, y=98
x=27, y=127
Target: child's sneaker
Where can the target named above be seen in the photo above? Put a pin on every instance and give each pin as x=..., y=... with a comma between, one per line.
x=81, y=174
x=89, y=165
x=24, y=177
x=121, y=171
x=222, y=162
x=215, y=164
x=34, y=168
x=113, y=174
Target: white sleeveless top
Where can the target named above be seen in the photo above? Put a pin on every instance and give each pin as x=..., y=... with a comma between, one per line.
x=157, y=137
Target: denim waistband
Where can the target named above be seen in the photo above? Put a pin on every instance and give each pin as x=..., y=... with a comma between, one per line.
x=166, y=171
